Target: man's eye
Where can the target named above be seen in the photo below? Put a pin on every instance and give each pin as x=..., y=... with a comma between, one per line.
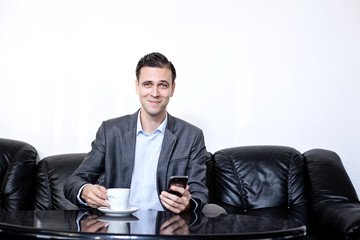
x=164, y=85
x=147, y=84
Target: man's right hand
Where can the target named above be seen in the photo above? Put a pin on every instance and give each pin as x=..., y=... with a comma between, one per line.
x=95, y=196
x=91, y=223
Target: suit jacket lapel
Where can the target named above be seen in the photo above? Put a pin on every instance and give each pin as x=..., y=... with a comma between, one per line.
x=128, y=151
x=167, y=148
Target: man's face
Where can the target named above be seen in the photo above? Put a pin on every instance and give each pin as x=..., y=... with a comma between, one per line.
x=154, y=88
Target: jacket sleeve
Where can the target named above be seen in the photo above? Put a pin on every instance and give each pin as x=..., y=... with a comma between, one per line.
x=89, y=170
x=196, y=171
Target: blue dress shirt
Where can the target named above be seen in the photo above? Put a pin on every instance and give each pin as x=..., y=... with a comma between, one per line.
x=143, y=190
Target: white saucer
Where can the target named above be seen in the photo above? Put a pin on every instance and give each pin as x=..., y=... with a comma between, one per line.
x=118, y=213
x=117, y=219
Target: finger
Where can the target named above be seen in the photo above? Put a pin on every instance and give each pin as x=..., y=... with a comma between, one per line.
x=178, y=189
x=102, y=192
x=179, y=226
x=171, y=229
x=99, y=227
x=183, y=230
x=164, y=201
x=97, y=196
x=186, y=194
x=187, y=191
x=94, y=200
x=97, y=202
x=174, y=203
x=169, y=222
x=184, y=199
x=101, y=196
x=170, y=198
x=96, y=227
x=183, y=191
x=171, y=204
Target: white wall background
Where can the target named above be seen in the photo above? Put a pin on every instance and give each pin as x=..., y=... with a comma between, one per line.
x=249, y=72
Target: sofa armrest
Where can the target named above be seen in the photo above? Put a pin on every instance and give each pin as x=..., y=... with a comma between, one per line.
x=333, y=200
x=342, y=218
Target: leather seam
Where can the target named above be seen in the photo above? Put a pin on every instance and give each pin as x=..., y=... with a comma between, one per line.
x=289, y=180
x=11, y=165
x=238, y=178
x=48, y=188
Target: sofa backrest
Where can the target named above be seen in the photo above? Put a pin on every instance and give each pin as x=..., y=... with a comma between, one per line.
x=17, y=171
x=51, y=175
x=255, y=177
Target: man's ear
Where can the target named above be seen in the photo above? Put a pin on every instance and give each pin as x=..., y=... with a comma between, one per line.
x=172, y=89
x=137, y=86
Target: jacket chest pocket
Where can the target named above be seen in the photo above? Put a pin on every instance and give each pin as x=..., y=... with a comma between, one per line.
x=178, y=166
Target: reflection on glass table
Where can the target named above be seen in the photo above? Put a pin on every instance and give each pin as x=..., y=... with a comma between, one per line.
x=93, y=224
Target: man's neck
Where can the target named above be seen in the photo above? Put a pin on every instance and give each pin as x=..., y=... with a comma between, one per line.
x=151, y=123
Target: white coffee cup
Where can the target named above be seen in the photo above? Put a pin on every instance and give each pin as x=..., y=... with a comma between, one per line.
x=118, y=227
x=118, y=198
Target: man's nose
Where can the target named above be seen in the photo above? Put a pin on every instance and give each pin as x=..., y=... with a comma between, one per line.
x=155, y=92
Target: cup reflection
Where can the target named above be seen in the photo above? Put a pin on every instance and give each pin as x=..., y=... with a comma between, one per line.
x=106, y=224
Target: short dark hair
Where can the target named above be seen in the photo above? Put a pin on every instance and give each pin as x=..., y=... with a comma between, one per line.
x=157, y=60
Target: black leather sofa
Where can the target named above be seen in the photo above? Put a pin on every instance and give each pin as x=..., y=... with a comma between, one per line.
x=17, y=175
x=277, y=181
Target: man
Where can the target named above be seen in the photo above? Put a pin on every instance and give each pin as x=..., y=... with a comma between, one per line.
x=143, y=150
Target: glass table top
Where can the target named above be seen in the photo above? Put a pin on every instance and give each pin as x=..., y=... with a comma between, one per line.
x=93, y=224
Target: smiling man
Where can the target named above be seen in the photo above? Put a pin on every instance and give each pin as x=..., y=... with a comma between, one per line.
x=143, y=150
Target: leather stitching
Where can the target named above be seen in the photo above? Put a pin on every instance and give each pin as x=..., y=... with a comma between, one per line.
x=47, y=185
x=290, y=173
x=238, y=178
x=9, y=171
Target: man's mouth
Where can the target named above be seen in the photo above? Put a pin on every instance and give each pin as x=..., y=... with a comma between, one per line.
x=154, y=101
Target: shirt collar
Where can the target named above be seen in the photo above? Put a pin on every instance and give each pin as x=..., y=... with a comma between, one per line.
x=161, y=128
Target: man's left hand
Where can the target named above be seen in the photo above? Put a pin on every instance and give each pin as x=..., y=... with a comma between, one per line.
x=177, y=225
x=174, y=203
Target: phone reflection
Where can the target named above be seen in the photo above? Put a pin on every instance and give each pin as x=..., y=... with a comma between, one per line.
x=176, y=224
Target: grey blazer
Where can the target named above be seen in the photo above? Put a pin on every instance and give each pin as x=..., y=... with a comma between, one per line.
x=113, y=153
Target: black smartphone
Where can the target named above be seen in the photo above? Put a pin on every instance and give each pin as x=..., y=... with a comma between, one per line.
x=179, y=181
